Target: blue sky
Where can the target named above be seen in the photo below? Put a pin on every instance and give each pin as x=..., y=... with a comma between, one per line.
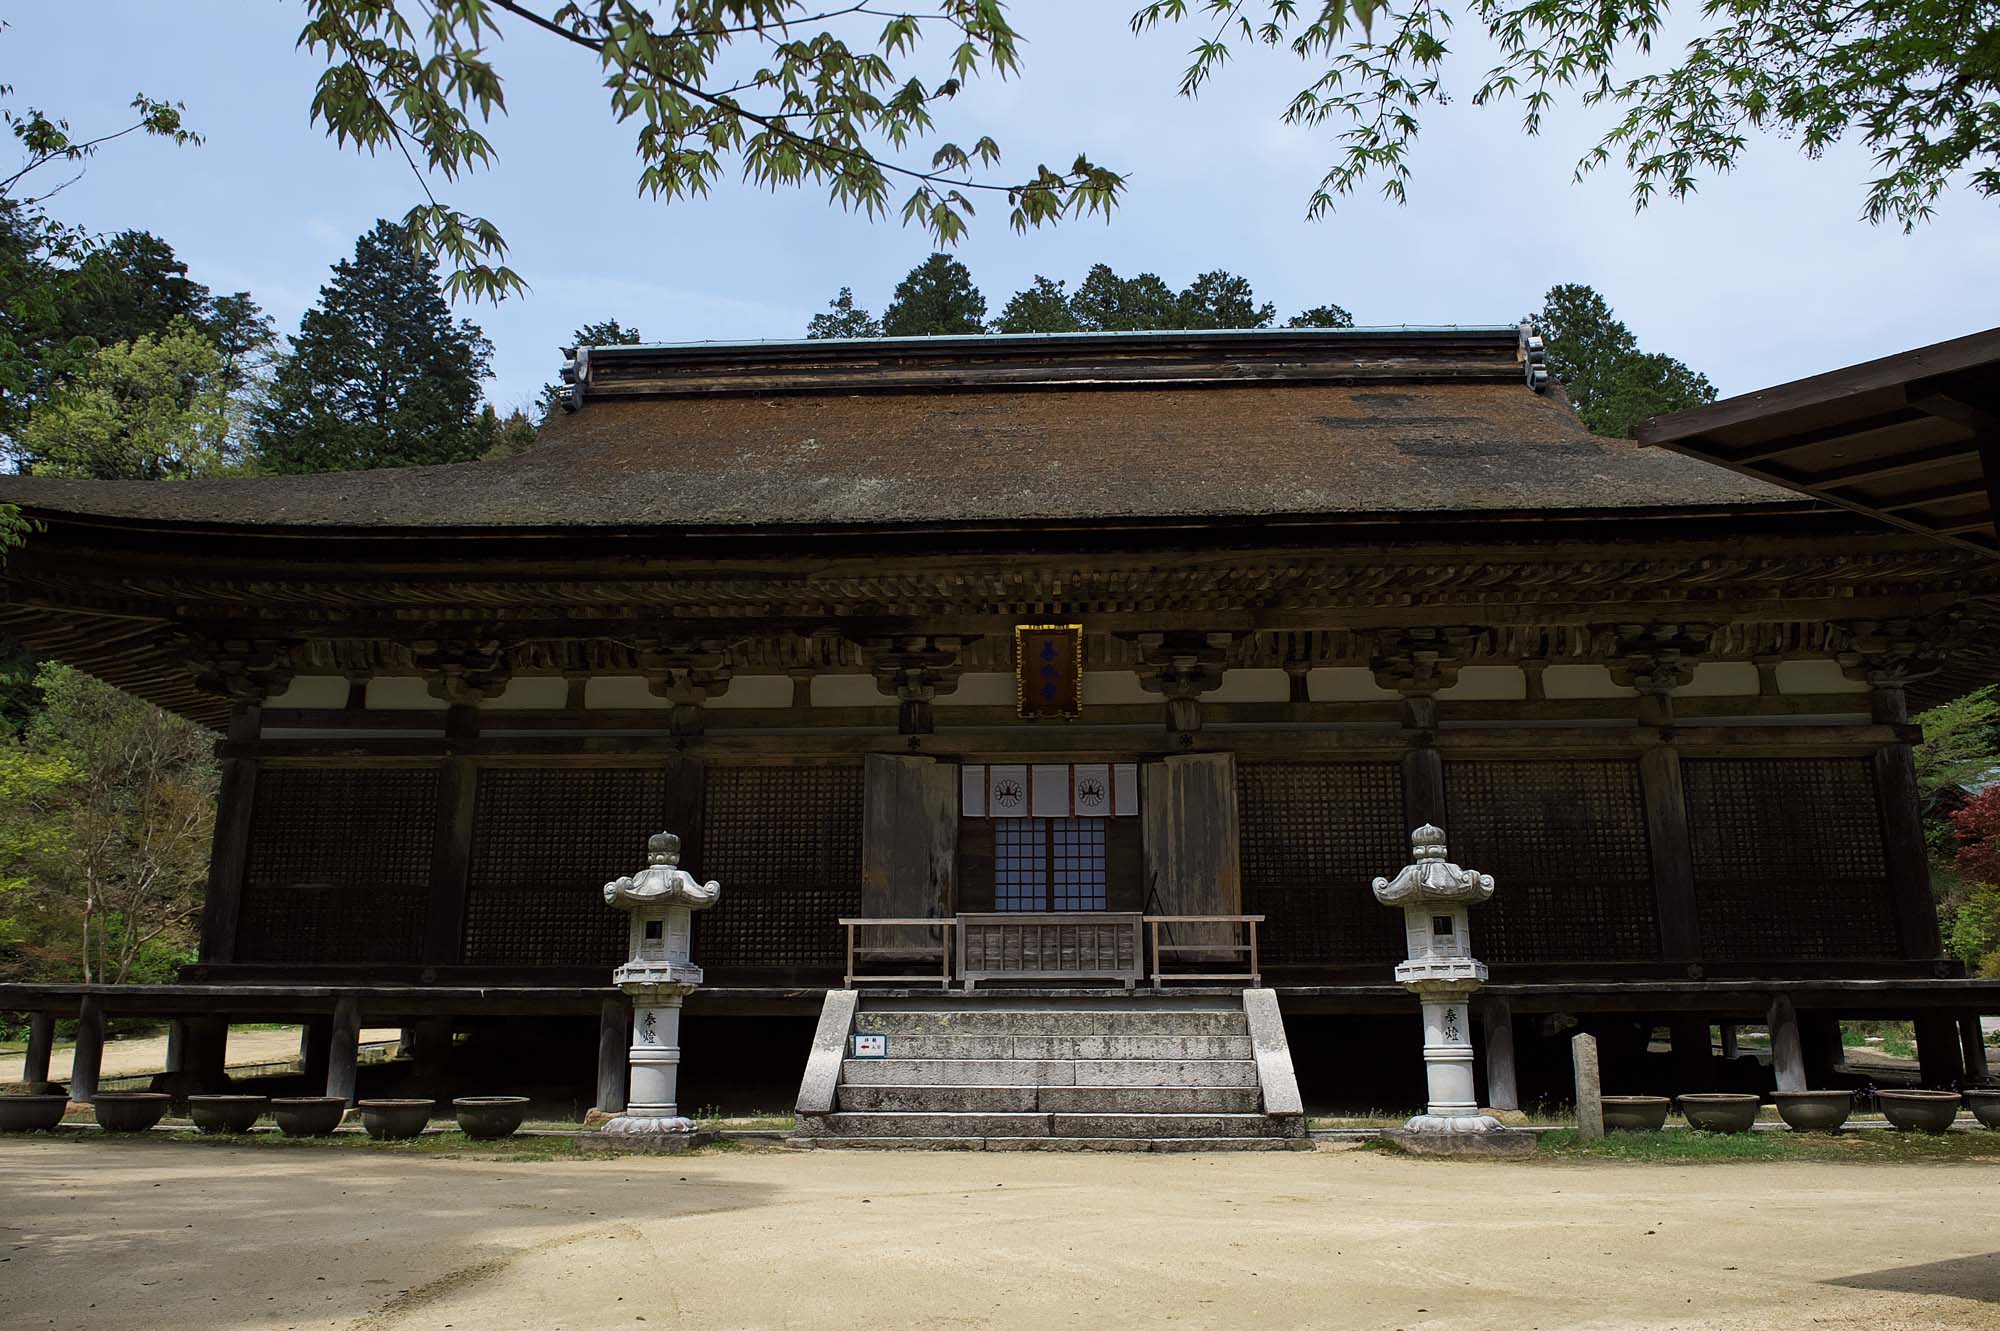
x=1765, y=276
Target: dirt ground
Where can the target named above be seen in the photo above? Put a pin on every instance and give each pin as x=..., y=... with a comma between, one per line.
x=166, y=1236
x=135, y=1055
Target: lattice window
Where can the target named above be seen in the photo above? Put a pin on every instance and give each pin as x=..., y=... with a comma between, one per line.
x=1314, y=835
x=1788, y=859
x=1020, y=864
x=1566, y=841
x=339, y=865
x=1048, y=864
x=786, y=844
x=545, y=841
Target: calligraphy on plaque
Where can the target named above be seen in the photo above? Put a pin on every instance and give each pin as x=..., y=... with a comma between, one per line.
x=1048, y=669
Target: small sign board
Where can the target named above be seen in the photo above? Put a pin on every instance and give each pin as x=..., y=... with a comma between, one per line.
x=871, y=1046
x=1048, y=670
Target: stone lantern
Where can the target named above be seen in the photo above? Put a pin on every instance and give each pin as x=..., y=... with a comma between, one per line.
x=662, y=899
x=1434, y=894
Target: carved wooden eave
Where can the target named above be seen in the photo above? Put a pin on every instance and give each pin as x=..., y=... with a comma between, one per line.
x=914, y=670
x=1181, y=666
x=130, y=615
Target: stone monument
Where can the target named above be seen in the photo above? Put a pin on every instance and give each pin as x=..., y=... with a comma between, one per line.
x=1441, y=971
x=662, y=899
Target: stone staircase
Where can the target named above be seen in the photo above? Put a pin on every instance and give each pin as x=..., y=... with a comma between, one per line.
x=1091, y=1073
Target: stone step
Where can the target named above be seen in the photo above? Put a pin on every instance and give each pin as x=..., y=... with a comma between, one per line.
x=1051, y=1099
x=1118, y=1144
x=851, y=1124
x=1070, y=1046
x=1204, y=1126
x=1150, y=1100
x=957, y=1072
x=941, y=1099
x=1164, y=1072
x=1203, y=1072
x=1116, y=1017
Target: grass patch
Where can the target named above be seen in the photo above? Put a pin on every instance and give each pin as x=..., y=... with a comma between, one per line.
x=1684, y=1146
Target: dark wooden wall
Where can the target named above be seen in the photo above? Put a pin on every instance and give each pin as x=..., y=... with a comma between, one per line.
x=1787, y=853
x=338, y=866
x=374, y=865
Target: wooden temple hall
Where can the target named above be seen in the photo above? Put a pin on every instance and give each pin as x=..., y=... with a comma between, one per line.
x=1110, y=667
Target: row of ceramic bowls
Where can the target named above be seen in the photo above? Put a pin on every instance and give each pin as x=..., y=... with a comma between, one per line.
x=481, y=1116
x=1802, y=1111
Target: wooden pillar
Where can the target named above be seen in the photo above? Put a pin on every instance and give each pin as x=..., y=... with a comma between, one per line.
x=177, y=1041
x=1193, y=860
x=1788, y=1063
x=42, y=1042
x=1973, y=1037
x=1729, y=1049
x=315, y=1047
x=683, y=813
x=451, y=857
x=1496, y=1016
x=1694, y=1059
x=614, y=1039
x=88, y=1058
x=1674, y=904
x=1940, y=1056
x=344, y=1048
x=229, y=853
x=1423, y=788
x=909, y=837
x=1903, y=849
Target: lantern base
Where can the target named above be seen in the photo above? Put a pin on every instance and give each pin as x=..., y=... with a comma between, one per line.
x=653, y=1136
x=1495, y=1142
x=648, y=1125
x=1456, y=1124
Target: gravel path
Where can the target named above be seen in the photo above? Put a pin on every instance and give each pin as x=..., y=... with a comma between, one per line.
x=166, y=1236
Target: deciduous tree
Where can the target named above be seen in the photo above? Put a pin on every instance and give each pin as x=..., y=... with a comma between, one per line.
x=785, y=92
x=1914, y=81
x=155, y=408
x=130, y=793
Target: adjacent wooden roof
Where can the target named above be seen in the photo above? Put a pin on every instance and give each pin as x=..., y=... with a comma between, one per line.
x=1912, y=439
x=977, y=431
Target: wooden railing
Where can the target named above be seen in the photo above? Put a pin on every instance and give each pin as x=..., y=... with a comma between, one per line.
x=859, y=951
x=1058, y=946
x=1201, y=941
x=1052, y=945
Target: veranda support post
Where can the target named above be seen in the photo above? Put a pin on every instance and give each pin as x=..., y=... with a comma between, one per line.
x=1788, y=1062
x=88, y=1056
x=344, y=1049
x=42, y=1041
x=613, y=1033
x=1497, y=1020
